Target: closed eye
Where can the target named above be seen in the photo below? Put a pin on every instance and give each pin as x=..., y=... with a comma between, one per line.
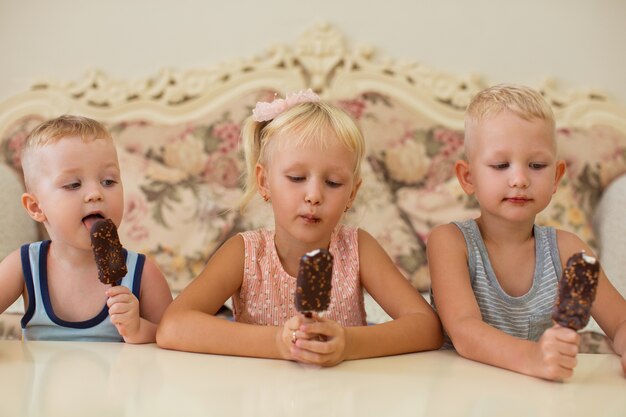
x=72, y=186
x=501, y=166
x=294, y=178
x=537, y=165
x=333, y=184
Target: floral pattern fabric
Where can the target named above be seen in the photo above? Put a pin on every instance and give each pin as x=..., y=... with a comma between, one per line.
x=181, y=182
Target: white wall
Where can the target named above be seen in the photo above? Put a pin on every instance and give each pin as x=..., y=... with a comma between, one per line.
x=578, y=42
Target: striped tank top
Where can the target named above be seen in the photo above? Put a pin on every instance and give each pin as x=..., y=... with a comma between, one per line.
x=528, y=315
x=266, y=295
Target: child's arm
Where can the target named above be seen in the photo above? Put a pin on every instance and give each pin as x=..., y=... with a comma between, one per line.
x=415, y=326
x=11, y=280
x=553, y=357
x=137, y=320
x=609, y=307
x=189, y=323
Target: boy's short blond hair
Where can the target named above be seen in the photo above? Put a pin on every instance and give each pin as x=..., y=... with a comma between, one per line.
x=522, y=101
x=53, y=130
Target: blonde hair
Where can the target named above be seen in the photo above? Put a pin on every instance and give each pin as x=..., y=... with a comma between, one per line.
x=522, y=101
x=307, y=123
x=54, y=130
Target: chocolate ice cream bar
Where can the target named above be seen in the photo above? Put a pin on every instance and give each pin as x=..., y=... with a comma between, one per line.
x=313, y=285
x=577, y=290
x=108, y=252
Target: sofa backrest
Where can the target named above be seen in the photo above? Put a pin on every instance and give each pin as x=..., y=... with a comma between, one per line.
x=178, y=140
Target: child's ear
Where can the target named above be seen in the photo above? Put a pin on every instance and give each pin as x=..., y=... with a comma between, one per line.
x=560, y=171
x=463, y=174
x=355, y=190
x=261, y=181
x=32, y=207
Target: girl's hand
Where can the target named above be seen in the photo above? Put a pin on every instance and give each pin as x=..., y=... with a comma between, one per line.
x=319, y=341
x=123, y=310
x=555, y=356
x=289, y=334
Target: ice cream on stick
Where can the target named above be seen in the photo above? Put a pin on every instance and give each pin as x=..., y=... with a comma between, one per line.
x=313, y=284
x=577, y=290
x=108, y=252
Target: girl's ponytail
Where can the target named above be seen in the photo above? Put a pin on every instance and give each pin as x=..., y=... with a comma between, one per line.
x=251, y=141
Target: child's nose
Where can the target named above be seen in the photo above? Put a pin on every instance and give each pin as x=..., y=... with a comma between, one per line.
x=93, y=194
x=519, y=179
x=313, y=193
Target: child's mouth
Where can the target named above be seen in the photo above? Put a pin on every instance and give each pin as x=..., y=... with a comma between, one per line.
x=518, y=200
x=310, y=219
x=91, y=219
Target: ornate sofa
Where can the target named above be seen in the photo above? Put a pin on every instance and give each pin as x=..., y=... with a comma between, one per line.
x=177, y=135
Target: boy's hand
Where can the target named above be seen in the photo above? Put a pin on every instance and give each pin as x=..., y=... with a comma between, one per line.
x=555, y=356
x=320, y=342
x=123, y=310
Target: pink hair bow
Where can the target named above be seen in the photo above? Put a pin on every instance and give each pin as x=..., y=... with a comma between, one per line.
x=264, y=111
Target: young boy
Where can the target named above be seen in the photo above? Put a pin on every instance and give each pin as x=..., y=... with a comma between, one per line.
x=72, y=179
x=494, y=279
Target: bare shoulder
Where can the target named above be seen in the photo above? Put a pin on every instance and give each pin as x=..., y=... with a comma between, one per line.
x=569, y=243
x=220, y=279
x=374, y=262
x=11, y=267
x=568, y=238
x=446, y=253
x=11, y=279
x=12, y=260
x=370, y=250
x=365, y=239
x=226, y=264
x=448, y=229
x=445, y=236
x=230, y=257
x=153, y=278
x=234, y=246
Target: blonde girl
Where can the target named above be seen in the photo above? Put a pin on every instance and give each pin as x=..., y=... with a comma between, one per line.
x=303, y=158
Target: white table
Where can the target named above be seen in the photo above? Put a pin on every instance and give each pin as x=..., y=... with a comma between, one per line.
x=114, y=379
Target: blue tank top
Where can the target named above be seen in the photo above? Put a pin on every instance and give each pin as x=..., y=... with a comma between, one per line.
x=41, y=323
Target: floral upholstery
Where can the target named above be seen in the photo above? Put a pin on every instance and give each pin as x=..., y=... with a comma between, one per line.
x=182, y=180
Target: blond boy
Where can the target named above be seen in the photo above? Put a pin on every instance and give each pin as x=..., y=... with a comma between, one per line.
x=72, y=178
x=494, y=278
